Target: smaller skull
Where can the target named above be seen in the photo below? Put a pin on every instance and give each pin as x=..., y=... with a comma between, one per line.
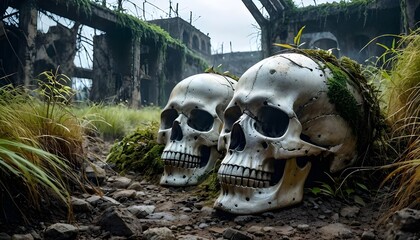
x=190, y=126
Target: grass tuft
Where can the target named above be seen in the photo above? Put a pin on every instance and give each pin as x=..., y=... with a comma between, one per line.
x=402, y=96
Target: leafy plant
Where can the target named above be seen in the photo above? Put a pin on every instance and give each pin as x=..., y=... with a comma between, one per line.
x=296, y=41
x=349, y=188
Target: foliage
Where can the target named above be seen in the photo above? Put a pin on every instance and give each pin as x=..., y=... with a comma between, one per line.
x=33, y=169
x=114, y=122
x=218, y=71
x=40, y=143
x=351, y=188
x=346, y=7
x=139, y=152
x=402, y=96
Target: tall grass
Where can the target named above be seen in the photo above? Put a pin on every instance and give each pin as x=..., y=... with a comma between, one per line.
x=115, y=122
x=402, y=95
x=40, y=142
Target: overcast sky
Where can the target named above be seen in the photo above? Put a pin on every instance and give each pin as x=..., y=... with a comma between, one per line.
x=226, y=21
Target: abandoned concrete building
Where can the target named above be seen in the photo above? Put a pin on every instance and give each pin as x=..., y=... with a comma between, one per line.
x=136, y=62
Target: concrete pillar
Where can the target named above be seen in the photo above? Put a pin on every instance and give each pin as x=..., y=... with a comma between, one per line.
x=28, y=16
x=136, y=72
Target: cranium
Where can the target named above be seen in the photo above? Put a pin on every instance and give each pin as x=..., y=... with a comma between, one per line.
x=281, y=119
x=190, y=126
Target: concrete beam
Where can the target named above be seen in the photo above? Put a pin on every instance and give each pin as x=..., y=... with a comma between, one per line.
x=269, y=7
x=100, y=18
x=261, y=20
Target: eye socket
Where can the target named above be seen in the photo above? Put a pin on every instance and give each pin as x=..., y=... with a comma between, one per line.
x=200, y=120
x=167, y=118
x=231, y=116
x=272, y=122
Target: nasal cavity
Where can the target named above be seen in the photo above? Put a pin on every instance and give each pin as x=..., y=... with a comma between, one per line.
x=176, y=132
x=237, y=137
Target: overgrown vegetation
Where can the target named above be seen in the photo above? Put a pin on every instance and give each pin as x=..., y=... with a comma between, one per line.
x=115, y=122
x=139, y=152
x=40, y=142
x=402, y=98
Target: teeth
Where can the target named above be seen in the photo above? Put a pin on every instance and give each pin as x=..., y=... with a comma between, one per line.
x=251, y=182
x=238, y=180
x=246, y=173
x=253, y=175
x=240, y=176
x=259, y=175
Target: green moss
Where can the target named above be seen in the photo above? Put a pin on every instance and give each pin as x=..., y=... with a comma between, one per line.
x=139, y=152
x=340, y=96
x=367, y=120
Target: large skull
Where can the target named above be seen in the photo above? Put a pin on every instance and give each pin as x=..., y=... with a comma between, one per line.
x=279, y=120
x=190, y=126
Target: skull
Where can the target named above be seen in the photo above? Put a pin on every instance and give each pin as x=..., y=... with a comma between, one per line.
x=190, y=126
x=278, y=122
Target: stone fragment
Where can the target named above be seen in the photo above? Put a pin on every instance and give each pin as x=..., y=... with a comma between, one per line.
x=242, y=220
x=191, y=237
x=160, y=233
x=80, y=205
x=368, y=235
x=5, y=236
x=335, y=230
x=27, y=236
x=119, y=182
x=284, y=230
x=349, y=211
x=61, y=231
x=136, y=186
x=141, y=211
x=120, y=222
x=124, y=195
x=95, y=174
x=234, y=234
x=407, y=220
x=303, y=227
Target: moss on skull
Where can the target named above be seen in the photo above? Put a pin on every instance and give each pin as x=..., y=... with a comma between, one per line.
x=139, y=152
x=339, y=95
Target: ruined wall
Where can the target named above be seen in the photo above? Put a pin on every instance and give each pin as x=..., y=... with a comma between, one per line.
x=352, y=26
x=236, y=62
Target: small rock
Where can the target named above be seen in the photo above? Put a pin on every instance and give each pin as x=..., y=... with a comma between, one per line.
x=27, y=236
x=123, y=195
x=335, y=230
x=95, y=174
x=254, y=229
x=93, y=200
x=203, y=225
x=61, y=231
x=303, y=227
x=5, y=236
x=335, y=217
x=162, y=215
x=233, y=234
x=190, y=237
x=141, y=211
x=119, y=182
x=242, y=220
x=186, y=209
x=80, y=205
x=407, y=220
x=368, y=235
x=120, y=222
x=284, y=230
x=135, y=186
x=349, y=211
x=161, y=233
